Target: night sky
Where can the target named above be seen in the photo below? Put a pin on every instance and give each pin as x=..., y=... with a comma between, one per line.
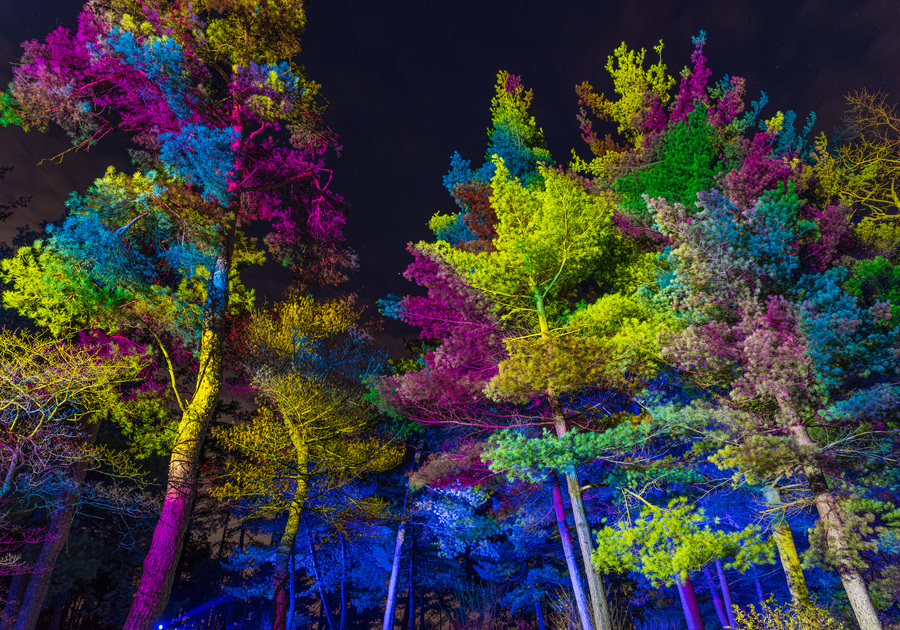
x=409, y=83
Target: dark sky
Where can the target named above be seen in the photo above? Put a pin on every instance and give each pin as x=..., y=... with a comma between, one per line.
x=411, y=82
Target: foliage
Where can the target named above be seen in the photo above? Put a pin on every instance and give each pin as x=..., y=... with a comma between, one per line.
x=775, y=616
x=667, y=544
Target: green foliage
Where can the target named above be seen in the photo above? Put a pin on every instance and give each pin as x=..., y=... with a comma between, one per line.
x=687, y=163
x=876, y=280
x=667, y=544
x=529, y=458
x=776, y=616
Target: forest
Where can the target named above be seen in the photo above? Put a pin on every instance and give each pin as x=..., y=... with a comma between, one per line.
x=655, y=388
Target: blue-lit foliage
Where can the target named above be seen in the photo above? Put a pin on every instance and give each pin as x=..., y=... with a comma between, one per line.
x=202, y=156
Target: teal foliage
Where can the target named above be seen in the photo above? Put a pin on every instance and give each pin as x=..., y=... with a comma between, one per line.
x=527, y=456
x=202, y=156
x=845, y=339
x=187, y=259
x=161, y=60
x=114, y=262
x=790, y=142
x=456, y=231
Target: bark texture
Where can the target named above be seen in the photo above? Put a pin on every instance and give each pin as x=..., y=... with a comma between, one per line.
x=787, y=550
x=569, y=553
x=161, y=562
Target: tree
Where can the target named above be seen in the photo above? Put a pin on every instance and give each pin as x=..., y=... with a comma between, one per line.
x=310, y=361
x=769, y=335
x=229, y=134
x=668, y=544
x=55, y=394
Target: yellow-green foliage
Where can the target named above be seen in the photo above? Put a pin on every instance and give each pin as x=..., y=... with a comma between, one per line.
x=549, y=238
x=245, y=34
x=775, y=616
x=312, y=418
x=633, y=83
x=667, y=544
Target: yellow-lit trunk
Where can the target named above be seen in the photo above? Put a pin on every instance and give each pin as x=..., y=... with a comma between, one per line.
x=787, y=550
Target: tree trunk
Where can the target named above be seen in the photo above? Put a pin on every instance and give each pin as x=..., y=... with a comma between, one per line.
x=412, y=584
x=787, y=550
x=317, y=574
x=539, y=615
x=759, y=591
x=14, y=595
x=344, y=618
x=391, y=604
x=59, y=606
x=568, y=552
x=291, y=591
x=60, y=522
x=829, y=515
x=281, y=596
x=161, y=562
x=689, y=604
x=726, y=595
x=717, y=599
x=599, y=600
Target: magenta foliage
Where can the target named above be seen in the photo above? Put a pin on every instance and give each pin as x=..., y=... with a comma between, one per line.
x=692, y=89
x=219, y=137
x=730, y=105
x=836, y=236
x=471, y=344
x=759, y=171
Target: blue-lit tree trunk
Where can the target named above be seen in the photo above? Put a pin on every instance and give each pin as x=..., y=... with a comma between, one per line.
x=391, y=604
x=574, y=574
x=689, y=604
x=726, y=595
x=60, y=523
x=717, y=599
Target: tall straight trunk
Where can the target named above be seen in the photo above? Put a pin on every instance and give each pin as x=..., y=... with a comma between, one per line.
x=717, y=599
x=787, y=550
x=726, y=595
x=317, y=574
x=599, y=600
x=60, y=523
x=689, y=604
x=830, y=517
x=14, y=596
x=760, y=597
x=291, y=591
x=343, y=581
x=161, y=562
x=412, y=583
x=539, y=615
x=281, y=596
x=59, y=607
x=569, y=553
x=391, y=603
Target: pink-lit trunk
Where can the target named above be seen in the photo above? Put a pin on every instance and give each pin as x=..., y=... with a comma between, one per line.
x=574, y=574
x=281, y=595
x=717, y=599
x=726, y=595
x=161, y=562
x=689, y=604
